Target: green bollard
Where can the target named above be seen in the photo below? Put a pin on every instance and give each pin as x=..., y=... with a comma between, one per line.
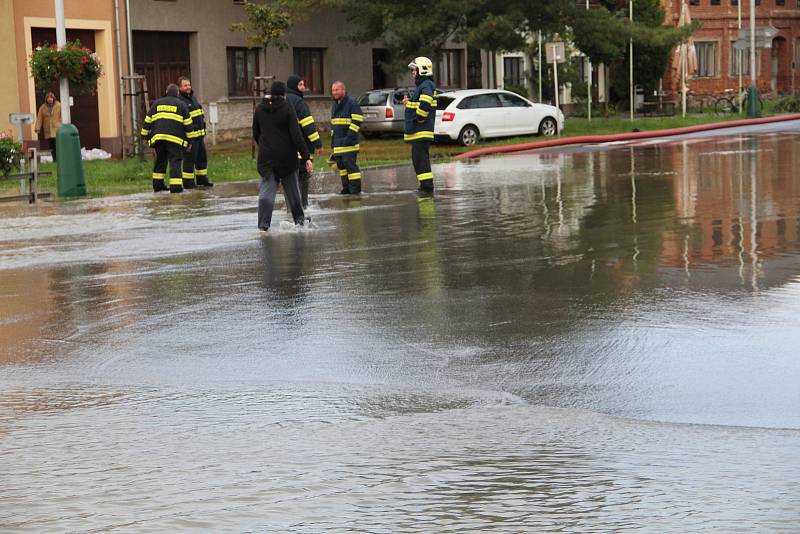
x=753, y=103
x=69, y=164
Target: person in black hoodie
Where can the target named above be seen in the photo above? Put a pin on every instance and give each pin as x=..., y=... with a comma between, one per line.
x=295, y=87
x=280, y=140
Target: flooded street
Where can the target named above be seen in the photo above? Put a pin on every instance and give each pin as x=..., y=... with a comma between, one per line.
x=596, y=340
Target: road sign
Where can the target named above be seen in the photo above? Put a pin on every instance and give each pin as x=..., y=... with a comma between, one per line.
x=556, y=52
x=20, y=118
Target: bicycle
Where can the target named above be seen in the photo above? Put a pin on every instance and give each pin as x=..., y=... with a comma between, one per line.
x=728, y=103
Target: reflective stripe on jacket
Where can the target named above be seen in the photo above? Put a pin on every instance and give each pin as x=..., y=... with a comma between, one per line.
x=346, y=119
x=168, y=120
x=196, y=114
x=306, y=120
x=420, y=115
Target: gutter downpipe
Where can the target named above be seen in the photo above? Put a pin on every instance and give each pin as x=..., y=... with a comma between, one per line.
x=121, y=87
x=134, y=111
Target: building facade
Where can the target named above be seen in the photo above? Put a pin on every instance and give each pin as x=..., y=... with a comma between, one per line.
x=717, y=64
x=26, y=24
x=193, y=38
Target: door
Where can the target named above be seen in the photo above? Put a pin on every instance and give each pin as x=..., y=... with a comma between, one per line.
x=519, y=114
x=162, y=57
x=486, y=112
x=85, y=113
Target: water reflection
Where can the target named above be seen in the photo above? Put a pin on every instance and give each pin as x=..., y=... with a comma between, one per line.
x=521, y=352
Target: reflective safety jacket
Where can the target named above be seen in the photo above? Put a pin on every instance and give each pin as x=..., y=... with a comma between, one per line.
x=306, y=120
x=196, y=114
x=346, y=119
x=168, y=120
x=421, y=112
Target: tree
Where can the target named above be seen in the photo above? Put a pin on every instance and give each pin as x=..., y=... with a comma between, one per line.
x=268, y=24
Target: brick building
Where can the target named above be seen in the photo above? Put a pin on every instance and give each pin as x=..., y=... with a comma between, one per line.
x=717, y=63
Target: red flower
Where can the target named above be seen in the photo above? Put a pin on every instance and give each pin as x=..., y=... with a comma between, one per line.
x=85, y=59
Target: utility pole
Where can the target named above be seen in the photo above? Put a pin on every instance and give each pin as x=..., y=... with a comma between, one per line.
x=61, y=41
x=540, y=66
x=739, y=54
x=752, y=93
x=630, y=16
x=589, y=76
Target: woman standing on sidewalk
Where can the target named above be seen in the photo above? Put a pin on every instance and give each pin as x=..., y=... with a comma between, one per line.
x=48, y=120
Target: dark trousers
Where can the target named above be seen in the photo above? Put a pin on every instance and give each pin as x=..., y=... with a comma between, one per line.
x=172, y=153
x=195, y=161
x=304, y=179
x=266, y=196
x=51, y=142
x=349, y=172
x=420, y=157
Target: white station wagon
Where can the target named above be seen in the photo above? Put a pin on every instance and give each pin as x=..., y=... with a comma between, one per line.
x=468, y=115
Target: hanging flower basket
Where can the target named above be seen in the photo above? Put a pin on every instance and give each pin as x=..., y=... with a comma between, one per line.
x=77, y=63
x=11, y=153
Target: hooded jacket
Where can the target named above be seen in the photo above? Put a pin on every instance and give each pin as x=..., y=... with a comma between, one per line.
x=304, y=117
x=279, y=138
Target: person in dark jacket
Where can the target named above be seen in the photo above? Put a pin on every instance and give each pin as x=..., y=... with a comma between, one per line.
x=295, y=87
x=195, y=160
x=420, y=117
x=280, y=139
x=346, y=119
x=167, y=127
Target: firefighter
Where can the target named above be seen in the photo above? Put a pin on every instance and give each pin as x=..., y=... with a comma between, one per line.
x=346, y=119
x=295, y=87
x=420, y=116
x=167, y=127
x=195, y=160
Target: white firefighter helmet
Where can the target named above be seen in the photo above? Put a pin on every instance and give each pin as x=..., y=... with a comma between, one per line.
x=423, y=65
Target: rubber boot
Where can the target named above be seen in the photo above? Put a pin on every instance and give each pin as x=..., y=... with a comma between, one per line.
x=355, y=187
x=188, y=183
x=175, y=188
x=202, y=181
x=158, y=186
x=425, y=187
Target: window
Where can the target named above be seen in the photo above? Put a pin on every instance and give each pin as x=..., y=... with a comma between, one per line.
x=734, y=2
x=714, y=2
x=448, y=72
x=242, y=68
x=480, y=102
x=512, y=101
x=745, y=61
x=308, y=65
x=694, y=2
x=780, y=2
x=706, y=59
x=513, y=73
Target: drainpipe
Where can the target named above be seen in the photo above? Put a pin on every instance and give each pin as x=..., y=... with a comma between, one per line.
x=121, y=85
x=134, y=111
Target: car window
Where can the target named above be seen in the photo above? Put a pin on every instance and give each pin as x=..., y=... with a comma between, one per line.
x=372, y=99
x=512, y=101
x=443, y=102
x=397, y=98
x=480, y=102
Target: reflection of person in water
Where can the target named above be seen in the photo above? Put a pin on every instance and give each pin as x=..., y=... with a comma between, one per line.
x=284, y=267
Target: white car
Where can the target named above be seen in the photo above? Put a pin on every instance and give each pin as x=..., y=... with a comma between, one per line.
x=468, y=115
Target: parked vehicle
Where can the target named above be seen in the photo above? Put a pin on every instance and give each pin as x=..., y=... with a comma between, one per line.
x=469, y=115
x=383, y=111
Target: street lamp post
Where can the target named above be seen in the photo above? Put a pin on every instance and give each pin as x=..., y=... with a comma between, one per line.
x=589, y=76
x=752, y=92
x=61, y=41
x=630, y=66
x=68, y=143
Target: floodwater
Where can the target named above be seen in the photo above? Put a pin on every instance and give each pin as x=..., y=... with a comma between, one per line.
x=595, y=340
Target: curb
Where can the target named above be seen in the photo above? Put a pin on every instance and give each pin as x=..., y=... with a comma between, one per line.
x=607, y=138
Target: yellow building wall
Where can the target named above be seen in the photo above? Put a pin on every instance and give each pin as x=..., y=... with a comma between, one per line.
x=97, y=15
x=9, y=90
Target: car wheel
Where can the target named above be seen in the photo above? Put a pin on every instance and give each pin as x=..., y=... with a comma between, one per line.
x=548, y=127
x=469, y=135
x=370, y=135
